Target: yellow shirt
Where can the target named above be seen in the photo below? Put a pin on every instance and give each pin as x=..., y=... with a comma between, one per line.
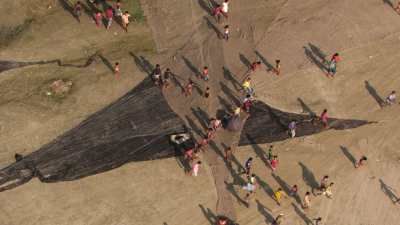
x=237, y=111
x=246, y=84
x=278, y=195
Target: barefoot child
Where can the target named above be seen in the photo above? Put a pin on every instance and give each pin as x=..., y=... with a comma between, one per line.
x=125, y=20
x=278, y=67
x=278, y=195
x=97, y=18
x=196, y=168
x=226, y=32
x=361, y=162
x=307, y=200
x=391, y=99
x=274, y=163
x=116, y=70
x=205, y=73
x=324, y=118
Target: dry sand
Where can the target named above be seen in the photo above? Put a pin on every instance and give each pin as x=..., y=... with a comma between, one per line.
x=364, y=32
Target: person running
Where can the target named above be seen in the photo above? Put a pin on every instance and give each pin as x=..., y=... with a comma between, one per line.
x=361, y=162
x=328, y=191
x=274, y=163
x=270, y=154
x=97, y=18
x=207, y=92
x=205, y=73
x=225, y=8
x=332, y=65
x=217, y=12
x=278, y=220
x=324, y=118
x=292, y=129
x=77, y=10
x=278, y=195
x=247, y=166
x=167, y=77
x=307, y=200
x=226, y=33
x=156, y=75
x=278, y=67
x=247, y=86
x=391, y=98
x=196, y=168
x=125, y=20
x=109, y=16
x=116, y=70
x=189, y=88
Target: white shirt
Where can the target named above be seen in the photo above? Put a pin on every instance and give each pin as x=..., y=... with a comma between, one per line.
x=225, y=7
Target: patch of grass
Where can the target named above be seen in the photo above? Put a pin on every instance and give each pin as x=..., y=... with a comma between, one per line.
x=9, y=34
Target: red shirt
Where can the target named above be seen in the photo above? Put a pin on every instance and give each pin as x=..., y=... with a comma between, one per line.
x=217, y=10
x=335, y=58
x=109, y=13
x=324, y=116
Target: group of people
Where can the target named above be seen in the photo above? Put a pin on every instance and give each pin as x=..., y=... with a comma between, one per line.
x=108, y=15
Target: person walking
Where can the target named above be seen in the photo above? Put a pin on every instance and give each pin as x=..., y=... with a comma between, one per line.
x=274, y=163
x=247, y=103
x=125, y=20
x=332, y=65
x=195, y=168
x=278, y=194
x=317, y=220
x=307, y=200
x=324, y=118
x=292, y=129
x=97, y=18
x=117, y=70
x=117, y=9
x=109, y=16
x=247, y=166
x=156, y=75
x=391, y=98
x=225, y=8
x=270, y=153
x=226, y=33
x=78, y=10
x=247, y=87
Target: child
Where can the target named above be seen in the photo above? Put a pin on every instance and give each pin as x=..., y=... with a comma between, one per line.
x=125, y=20
x=278, y=67
x=324, y=183
x=77, y=10
x=247, y=165
x=270, y=155
x=332, y=66
x=228, y=154
x=328, y=190
x=157, y=75
x=255, y=65
x=307, y=200
x=324, y=118
x=189, y=88
x=361, y=161
x=391, y=99
x=278, y=195
x=117, y=9
x=292, y=129
x=294, y=190
x=247, y=103
x=217, y=13
x=317, y=220
x=226, y=32
x=247, y=86
x=207, y=92
x=225, y=8
x=196, y=168
x=116, y=70
x=274, y=163
x=97, y=18
x=109, y=16
x=205, y=73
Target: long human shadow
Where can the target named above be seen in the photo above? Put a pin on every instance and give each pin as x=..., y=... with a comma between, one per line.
x=285, y=187
x=309, y=177
x=305, y=108
x=106, y=62
x=245, y=61
x=231, y=189
x=348, y=155
x=143, y=64
x=388, y=2
x=318, y=53
x=192, y=67
x=206, y=6
x=265, y=61
x=259, y=151
x=389, y=191
x=302, y=215
x=372, y=91
x=67, y=7
x=193, y=126
x=209, y=215
x=314, y=59
x=230, y=94
x=230, y=77
x=226, y=105
x=266, y=212
x=267, y=189
x=237, y=179
x=201, y=116
x=213, y=27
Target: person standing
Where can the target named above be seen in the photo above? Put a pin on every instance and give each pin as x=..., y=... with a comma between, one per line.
x=125, y=20
x=294, y=190
x=307, y=200
x=228, y=154
x=278, y=67
x=205, y=73
x=317, y=220
x=77, y=10
x=332, y=65
x=247, y=166
x=97, y=18
x=167, y=77
x=217, y=12
x=328, y=191
x=324, y=118
x=196, y=168
x=274, y=163
x=361, y=162
x=278, y=195
x=225, y=8
x=292, y=129
x=391, y=98
x=270, y=154
x=117, y=8
x=109, y=16
x=247, y=86
x=226, y=33
x=189, y=88
x=116, y=70
x=324, y=183
x=156, y=75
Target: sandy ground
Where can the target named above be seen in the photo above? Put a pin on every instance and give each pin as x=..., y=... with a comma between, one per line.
x=364, y=32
